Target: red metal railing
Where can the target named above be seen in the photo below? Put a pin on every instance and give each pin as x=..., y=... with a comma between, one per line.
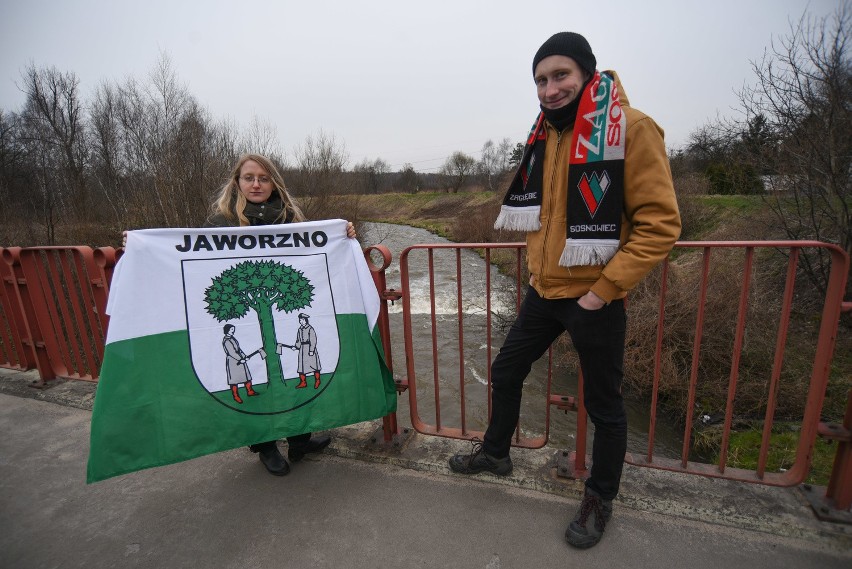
x=390, y=427
x=824, y=349
x=436, y=386
x=463, y=430
x=838, y=495
x=13, y=325
x=55, y=305
x=53, y=299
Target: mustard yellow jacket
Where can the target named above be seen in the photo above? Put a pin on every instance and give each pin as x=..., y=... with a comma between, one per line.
x=650, y=222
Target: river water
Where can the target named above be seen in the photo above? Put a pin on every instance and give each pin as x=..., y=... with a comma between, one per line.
x=472, y=342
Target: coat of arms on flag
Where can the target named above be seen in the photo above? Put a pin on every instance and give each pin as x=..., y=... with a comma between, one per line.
x=220, y=338
x=256, y=309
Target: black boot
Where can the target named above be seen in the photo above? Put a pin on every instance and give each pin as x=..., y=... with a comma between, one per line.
x=477, y=461
x=587, y=527
x=297, y=451
x=271, y=458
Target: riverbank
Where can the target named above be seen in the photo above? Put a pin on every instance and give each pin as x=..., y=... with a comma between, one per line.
x=439, y=212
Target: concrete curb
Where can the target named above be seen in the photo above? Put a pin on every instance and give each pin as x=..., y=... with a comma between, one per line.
x=781, y=512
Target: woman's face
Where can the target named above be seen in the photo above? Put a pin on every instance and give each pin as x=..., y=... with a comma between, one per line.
x=255, y=182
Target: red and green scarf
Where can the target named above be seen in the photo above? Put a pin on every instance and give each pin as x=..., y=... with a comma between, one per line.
x=595, y=178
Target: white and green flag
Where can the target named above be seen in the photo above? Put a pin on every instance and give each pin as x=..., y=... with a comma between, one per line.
x=220, y=338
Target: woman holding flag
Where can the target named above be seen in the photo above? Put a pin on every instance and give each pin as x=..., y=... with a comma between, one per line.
x=255, y=194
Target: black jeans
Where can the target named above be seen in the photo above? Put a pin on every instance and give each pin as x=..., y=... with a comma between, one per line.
x=297, y=440
x=598, y=337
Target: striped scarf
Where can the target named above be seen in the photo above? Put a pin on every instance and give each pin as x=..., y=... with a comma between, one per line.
x=595, y=178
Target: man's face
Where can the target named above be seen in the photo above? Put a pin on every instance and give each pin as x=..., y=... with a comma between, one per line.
x=558, y=80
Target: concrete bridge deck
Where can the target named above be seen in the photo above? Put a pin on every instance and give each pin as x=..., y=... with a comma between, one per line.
x=363, y=505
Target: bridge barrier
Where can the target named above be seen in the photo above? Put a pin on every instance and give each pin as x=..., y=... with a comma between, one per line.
x=54, y=307
x=14, y=353
x=53, y=300
x=428, y=383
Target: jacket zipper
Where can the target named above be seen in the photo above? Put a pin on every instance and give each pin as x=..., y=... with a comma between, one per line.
x=550, y=206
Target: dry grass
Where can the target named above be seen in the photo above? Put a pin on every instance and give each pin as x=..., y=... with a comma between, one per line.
x=468, y=217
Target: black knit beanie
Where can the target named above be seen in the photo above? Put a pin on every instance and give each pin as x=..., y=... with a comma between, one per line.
x=570, y=44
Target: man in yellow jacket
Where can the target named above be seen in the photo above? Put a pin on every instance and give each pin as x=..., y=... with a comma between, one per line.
x=594, y=193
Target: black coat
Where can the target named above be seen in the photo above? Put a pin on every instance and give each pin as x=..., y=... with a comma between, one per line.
x=265, y=213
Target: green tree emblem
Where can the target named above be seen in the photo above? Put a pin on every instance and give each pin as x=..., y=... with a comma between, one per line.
x=259, y=286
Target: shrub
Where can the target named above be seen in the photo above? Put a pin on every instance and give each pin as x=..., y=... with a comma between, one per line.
x=733, y=178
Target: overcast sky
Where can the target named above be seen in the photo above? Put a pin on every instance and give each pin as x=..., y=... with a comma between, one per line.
x=402, y=81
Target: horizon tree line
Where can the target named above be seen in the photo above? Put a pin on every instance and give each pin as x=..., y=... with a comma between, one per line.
x=145, y=153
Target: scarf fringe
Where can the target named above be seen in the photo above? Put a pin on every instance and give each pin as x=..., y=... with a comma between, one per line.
x=588, y=252
x=519, y=218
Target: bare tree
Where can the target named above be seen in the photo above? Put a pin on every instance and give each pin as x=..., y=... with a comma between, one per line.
x=487, y=166
x=43, y=191
x=408, y=180
x=169, y=104
x=11, y=154
x=17, y=178
x=710, y=144
x=458, y=169
x=262, y=138
x=54, y=122
x=505, y=148
x=494, y=162
x=371, y=175
x=158, y=157
x=318, y=176
x=800, y=113
x=145, y=155
x=106, y=143
x=191, y=163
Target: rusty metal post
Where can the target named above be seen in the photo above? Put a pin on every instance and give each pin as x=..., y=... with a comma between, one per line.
x=390, y=428
x=840, y=483
x=64, y=296
x=105, y=259
x=829, y=324
x=834, y=504
x=13, y=355
x=572, y=464
x=31, y=336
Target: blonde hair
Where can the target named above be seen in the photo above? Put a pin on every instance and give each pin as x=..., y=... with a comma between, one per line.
x=232, y=203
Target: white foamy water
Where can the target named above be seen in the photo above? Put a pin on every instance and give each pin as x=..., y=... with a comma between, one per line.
x=473, y=297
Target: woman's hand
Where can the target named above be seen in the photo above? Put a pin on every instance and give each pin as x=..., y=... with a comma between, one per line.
x=350, y=230
x=124, y=238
